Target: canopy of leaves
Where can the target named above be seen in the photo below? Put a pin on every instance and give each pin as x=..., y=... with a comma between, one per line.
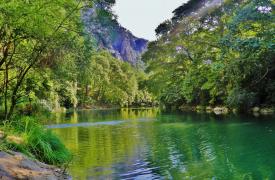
x=225, y=57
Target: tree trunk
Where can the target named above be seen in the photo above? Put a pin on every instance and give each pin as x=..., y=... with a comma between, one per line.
x=6, y=79
x=18, y=85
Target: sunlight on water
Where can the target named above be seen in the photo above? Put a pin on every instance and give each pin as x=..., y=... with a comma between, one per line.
x=58, y=126
x=147, y=144
x=110, y=123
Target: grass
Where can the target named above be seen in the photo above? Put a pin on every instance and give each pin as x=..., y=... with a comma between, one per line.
x=38, y=142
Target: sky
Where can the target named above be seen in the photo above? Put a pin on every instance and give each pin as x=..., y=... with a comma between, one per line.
x=142, y=17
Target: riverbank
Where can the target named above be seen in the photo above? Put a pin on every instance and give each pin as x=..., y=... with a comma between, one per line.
x=14, y=165
x=29, y=151
x=218, y=110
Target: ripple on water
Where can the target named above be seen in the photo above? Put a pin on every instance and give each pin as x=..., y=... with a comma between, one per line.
x=140, y=170
x=89, y=124
x=169, y=148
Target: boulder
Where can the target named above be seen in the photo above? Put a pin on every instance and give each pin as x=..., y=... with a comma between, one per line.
x=209, y=109
x=200, y=108
x=256, y=109
x=266, y=111
x=221, y=110
x=186, y=108
x=15, y=165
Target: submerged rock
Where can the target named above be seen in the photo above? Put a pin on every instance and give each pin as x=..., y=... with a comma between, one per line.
x=15, y=165
x=235, y=110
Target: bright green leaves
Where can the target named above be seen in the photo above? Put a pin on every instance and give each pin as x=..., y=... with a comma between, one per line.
x=34, y=35
x=113, y=81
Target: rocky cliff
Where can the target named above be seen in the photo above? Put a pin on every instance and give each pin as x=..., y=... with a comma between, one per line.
x=102, y=25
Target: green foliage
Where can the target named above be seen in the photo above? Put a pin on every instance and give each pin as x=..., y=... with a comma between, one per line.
x=111, y=81
x=38, y=142
x=33, y=36
x=224, y=57
x=47, y=62
x=187, y=8
x=163, y=28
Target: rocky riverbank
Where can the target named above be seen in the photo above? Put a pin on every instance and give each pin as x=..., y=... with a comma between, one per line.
x=257, y=111
x=15, y=165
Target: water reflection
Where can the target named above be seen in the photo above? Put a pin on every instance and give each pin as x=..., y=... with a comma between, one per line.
x=147, y=144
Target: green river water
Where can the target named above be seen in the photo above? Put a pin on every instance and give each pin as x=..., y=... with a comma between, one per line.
x=147, y=144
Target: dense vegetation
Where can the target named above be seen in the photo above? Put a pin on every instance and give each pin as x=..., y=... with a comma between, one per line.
x=223, y=55
x=48, y=61
x=27, y=135
x=217, y=55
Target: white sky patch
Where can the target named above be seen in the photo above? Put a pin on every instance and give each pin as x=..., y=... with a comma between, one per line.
x=142, y=17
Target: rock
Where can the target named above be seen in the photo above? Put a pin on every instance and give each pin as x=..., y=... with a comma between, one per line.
x=266, y=111
x=221, y=110
x=209, y=109
x=200, y=108
x=15, y=139
x=186, y=108
x=12, y=167
x=256, y=109
x=111, y=36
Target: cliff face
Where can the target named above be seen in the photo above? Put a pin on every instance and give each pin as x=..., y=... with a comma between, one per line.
x=102, y=25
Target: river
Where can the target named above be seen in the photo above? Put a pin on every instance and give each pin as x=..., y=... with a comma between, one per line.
x=149, y=144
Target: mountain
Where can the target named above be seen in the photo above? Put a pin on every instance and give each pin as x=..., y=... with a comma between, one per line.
x=101, y=24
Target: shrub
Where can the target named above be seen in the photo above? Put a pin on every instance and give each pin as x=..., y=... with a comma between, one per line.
x=39, y=142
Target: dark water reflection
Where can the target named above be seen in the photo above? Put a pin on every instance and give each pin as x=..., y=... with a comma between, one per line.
x=147, y=144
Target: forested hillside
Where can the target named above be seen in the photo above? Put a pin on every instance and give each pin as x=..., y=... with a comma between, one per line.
x=215, y=53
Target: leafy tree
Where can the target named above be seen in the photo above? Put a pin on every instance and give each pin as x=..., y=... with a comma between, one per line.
x=163, y=28
x=113, y=81
x=33, y=33
x=223, y=57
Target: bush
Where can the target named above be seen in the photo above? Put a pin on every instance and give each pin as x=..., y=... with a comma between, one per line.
x=39, y=142
x=241, y=99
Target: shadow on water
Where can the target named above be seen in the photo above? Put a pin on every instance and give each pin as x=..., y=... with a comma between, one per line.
x=147, y=144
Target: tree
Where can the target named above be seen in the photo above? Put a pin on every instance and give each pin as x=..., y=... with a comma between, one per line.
x=163, y=28
x=32, y=33
x=223, y=57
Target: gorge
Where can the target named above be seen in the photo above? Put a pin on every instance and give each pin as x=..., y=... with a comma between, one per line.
x=79, y=91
